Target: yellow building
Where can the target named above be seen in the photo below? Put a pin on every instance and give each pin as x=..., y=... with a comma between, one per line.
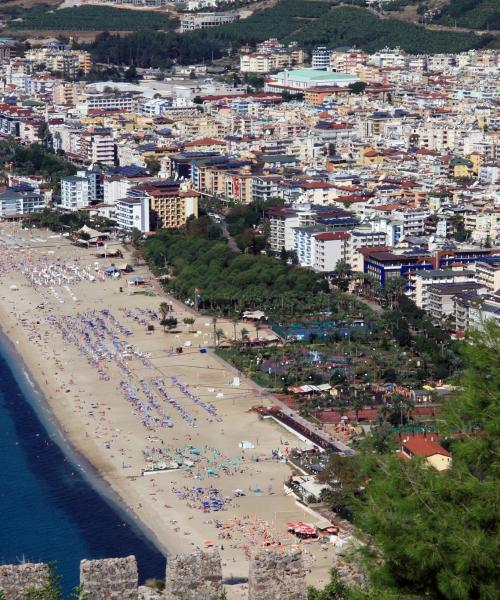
x=171, y=205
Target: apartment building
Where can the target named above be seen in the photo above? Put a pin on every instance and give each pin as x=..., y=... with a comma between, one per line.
x=65, y=92
x=330, y=248
x=425, y=279
x=206, y=20
x=320, y=58
x=488, y=274
x=133, y=213
x=321, y=250
x=98, y=146
x=74, y=192
x=473, y=312
x=68, y=62
x=383, y=265
x=170, y=203
x=269, y=56
x=20, y=200
x=441, y=298
x=282, y=224
x=115, y=101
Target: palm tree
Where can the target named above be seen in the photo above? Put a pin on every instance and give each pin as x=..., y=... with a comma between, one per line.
x=214, y=323
x=164, y=310
x=258, y=326
x=235, y=321
x=357, y=405
x=219, y=334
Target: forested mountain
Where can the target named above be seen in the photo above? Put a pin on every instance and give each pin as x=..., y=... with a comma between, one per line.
x=309, y=23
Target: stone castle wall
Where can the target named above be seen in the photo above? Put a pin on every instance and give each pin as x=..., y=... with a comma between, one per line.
x=273, y=575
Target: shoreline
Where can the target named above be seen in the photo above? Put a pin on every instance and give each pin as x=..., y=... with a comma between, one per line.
x=84, y=401
x=34, y=395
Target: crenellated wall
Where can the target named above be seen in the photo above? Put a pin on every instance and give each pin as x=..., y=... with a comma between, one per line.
x=273, y=575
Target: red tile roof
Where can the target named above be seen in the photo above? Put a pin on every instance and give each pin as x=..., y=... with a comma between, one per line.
x=331, y=235
x=423, y=446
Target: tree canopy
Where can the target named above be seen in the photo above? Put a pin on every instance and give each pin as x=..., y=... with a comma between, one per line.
x=437, y=533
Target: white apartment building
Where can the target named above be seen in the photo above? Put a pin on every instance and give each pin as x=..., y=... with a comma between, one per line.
x=98, y=146
x=423, y=280
x=282, y=224
x=330, y=248
x=321, y=250
x=133, y=213
x=489, y=173
x=16, y=202
x=190, y=22
x=364, y=238
x=412, y=220
x=488, y=275
x=116, y=188
x=320, y=58
x=115, y=101
x=75, y=192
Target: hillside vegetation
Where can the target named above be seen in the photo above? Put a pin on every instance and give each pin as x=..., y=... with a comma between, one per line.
x=90, y=18
x=309, y=23
x=474, y=14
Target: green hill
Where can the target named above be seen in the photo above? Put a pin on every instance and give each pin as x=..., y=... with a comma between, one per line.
x=474, y=14
x=309, y=23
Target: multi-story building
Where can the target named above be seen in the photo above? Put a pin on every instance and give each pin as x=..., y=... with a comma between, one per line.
x=425, y=279
x=20, y=200
x=114, y=101
x=441, y=298
x=133, y=213
x=206, y=20
x=75, y=191
x=330, y=248
x=321, y=250
x=383, y=265
x=67, y=62
x=488, y=274
x=98, y=146
x=170, y=203
x=320, y=58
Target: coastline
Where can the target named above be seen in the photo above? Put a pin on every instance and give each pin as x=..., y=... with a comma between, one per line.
x=85, y=405
x=34, y=395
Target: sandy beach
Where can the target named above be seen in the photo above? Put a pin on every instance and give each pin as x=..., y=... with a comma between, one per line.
x=126, y=400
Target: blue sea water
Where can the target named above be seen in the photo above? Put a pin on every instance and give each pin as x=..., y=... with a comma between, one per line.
x=48, y=511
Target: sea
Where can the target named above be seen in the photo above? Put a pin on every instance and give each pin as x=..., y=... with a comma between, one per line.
x=49, y=511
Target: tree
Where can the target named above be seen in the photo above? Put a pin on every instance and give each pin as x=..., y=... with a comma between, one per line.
x=235, y=322
x=393, y=289
x=437, y=533
x=214, y=325
x=358, y=87
x=244, y=334
x=131, y=74
x=169, y=323
x=164, y=310
x=342, y=274
x=153, y=165
x=189, y=321
x=136, y=237
x=219, y=334
x=334, y=590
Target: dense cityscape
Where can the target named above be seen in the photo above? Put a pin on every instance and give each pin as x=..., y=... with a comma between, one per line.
x=253, y=270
